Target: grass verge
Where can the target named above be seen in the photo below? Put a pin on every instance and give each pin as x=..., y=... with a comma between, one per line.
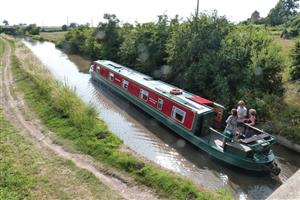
x=66, y=115
x=27, y=173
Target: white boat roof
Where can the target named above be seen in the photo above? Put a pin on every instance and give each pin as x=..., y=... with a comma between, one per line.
x=156, y=85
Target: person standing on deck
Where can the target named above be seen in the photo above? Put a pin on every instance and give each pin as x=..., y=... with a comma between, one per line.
x=231, y=127
x=241, y=112
x=232, y=122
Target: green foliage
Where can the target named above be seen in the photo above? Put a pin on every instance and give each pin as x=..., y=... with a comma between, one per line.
x=222, y=62
x=282, y=12
x=102, y=42
x=144, y=47
x=79, y=40
x=109, y=37
x=193, y=55
x=32, y=29
x=266, y=70
x=14, y=183
x=64, y=27
x=292, y=28
x=21, y=29
x=26, y=173
x=295, y=68
x=214, y=58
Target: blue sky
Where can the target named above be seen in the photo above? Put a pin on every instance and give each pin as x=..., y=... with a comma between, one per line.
x=56, y=12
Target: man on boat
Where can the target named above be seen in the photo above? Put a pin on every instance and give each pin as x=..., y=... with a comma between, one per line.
x=241, y=112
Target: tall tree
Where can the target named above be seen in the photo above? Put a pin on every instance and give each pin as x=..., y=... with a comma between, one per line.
x=144, y=47
x=5, y=22
x=108, y=33
x=251, y=63
x=194, y=59
x=282, y=12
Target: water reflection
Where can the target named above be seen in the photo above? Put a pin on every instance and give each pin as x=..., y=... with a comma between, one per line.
x=154, y=141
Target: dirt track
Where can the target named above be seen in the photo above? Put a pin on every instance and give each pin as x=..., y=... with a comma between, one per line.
x=14, y=108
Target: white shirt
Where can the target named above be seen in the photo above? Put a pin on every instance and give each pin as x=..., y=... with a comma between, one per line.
x=241, y=113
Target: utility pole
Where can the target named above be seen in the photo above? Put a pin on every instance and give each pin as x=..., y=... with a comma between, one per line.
x=197, y=10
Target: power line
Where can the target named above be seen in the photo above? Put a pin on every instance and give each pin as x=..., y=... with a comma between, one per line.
x=197, y=10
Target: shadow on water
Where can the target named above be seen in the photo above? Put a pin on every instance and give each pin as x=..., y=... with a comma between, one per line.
x=154, y=141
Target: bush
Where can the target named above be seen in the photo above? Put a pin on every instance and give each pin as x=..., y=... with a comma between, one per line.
x=295, y=68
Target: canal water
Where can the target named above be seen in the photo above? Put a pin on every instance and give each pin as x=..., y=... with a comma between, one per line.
x=154, y=141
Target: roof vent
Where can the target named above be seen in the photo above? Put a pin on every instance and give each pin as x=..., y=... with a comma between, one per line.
x=176, y=91
x=148, y=78
x=115, y=66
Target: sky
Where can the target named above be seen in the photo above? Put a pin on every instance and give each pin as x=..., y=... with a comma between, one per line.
x=59, y=12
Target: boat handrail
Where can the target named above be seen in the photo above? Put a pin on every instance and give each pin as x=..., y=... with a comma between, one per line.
x=264, y=141
x=256, y=129
x=214, y=130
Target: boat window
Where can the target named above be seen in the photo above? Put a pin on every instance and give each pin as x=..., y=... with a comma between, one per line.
x=144, y=94
x=160, y=103
x=98, y=69
x=178, y=114
x=125, y=84
x=111, y=76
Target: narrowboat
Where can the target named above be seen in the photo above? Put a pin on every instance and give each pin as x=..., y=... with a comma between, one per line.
x=194, y=118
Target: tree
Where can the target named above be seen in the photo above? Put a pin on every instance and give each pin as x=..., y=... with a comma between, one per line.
x=193, y=54
x=144, y=47
x=32, y=29
x=64, y=27
x=73, y=25
x=282, y=12
x=251, y=63
x=108, y=34
x=5, y=22
x=295, y=68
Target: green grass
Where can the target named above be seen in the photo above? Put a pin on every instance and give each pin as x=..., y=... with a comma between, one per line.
x=1, y=48
x=15, y=183
x=26, y=173
x=53, y=36
x=67, y=116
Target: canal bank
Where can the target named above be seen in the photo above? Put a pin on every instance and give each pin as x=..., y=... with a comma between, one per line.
x=288, y=143
x=150, y=139
x=288, y=190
